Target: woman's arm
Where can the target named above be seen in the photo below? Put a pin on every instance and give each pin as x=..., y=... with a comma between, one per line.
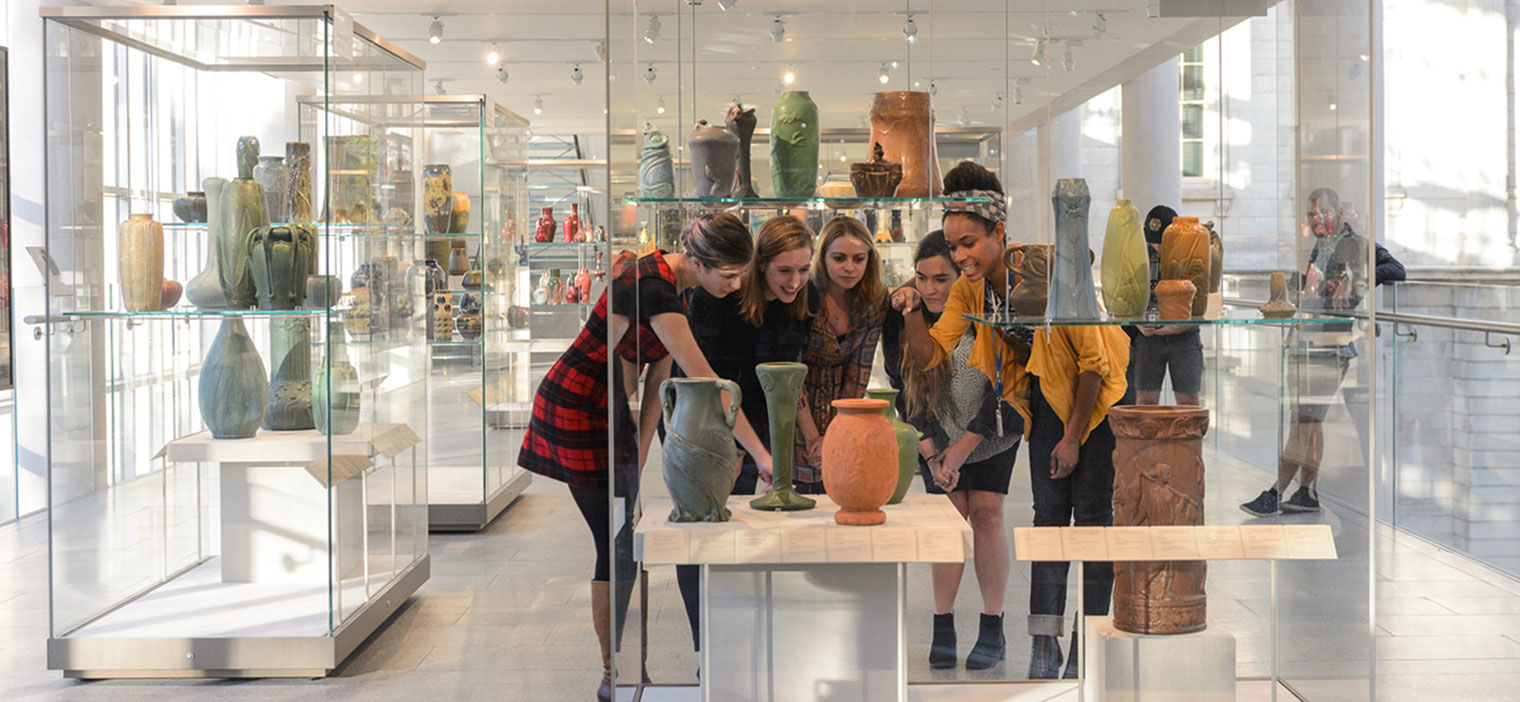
x=675, y=333
x=649, y=408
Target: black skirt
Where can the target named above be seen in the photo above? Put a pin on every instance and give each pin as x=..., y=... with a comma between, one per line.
x=991, y=474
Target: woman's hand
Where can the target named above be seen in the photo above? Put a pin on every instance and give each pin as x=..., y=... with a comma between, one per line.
x=815, y=452
x=945, y=476
x=764, y=465
x=905, y=300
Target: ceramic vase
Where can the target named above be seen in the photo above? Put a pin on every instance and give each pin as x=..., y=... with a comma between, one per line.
x=741, y=121
x=440, y=322
x=140, y=263
x=1175, y=299
x=583, y=284
x=656, y=174
x=860, y=466
x=352, y=160
x=459, y=261
x=205, y=289
x=298, y=160
x=1185, y=256
x=274, y=176
x=714, y=153
x=232, y=384
x=281, y=257
x=1072, y=293
x=323, y=291
x=545, y=231
x=358, y=318
x=435, y=280
x=242, y=211
x=1278, y=307
x=1158, y=481
x=907, y=443
x=794, y=145
x=335, y=387
x=171, y=294
x=472, y=280
x=459, y=214
x=903, y=123
x=782, y=385
x=1030, y=263
x=877, y=177
x=700, y=461
x=437, y=197
x=1126, y=263
x=290, y=375
x=1216, y=258
x=573, y=223
x=191, y=207
x=469, y=325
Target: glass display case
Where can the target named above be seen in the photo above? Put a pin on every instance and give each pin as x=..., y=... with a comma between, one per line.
x=237, y=362
x=1253, y=117
x=477, y=156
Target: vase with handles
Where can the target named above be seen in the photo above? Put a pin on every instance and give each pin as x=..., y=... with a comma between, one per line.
x=700, y=460
x=437, y=197
x=907, y=443
x=794, y=145
x=782, y=385
x=281, y=257
x=1126, y=263
x=1072, y=293
x=140, y=263
x=274, y=176
x=233, y=384
x=335, y=393
x=1185, y=256
x=1030, y=264
x=903, y=123
x=298, y=160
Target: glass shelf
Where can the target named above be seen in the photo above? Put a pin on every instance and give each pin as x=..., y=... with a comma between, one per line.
x=817, y=203
x=199, y=314
x=561, y=306
x=1245, y=317
x=470, y=342
x=461, y=235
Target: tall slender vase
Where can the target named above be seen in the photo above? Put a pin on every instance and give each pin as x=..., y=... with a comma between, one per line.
x=298, y=159
x=794, y=145
x=242, y=213
x=859, y=461
x=782, y=384
x=290, y=384
x=714, y=153
x=233, y=384
x=1126, y=263
x=1072, y=293
x=656, y=174
x=741, y=121
x=1158, y=481
x=700, y=460
x=572, y=223
x=281, y=257
x=907, y=443
x=437, y=197
x=1185, y=256
x=275, y=177
x=903, y=123
x=205, y=289
x=140, y=263
x=335, y=387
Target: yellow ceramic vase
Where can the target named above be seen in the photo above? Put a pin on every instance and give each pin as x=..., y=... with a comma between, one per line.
x=1126, y=265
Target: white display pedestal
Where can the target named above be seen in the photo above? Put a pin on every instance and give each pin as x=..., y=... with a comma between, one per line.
x=1125, y=667
x=796, y=607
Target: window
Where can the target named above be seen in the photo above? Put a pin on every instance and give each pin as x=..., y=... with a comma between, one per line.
x=1192, y=95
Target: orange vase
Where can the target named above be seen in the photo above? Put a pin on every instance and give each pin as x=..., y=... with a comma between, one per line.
x=1174, y=299
x=860, y=461
x=1185, y=255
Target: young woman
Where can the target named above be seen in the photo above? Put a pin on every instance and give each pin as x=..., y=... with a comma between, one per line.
x=954, y=408
x=643, y=317
x=766, y=321
x=841, y=344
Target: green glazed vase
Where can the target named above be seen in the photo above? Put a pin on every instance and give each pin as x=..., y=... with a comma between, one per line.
x=699, y=454
x=233, y=384
x=794, y=145
x=782, y=384
x=281, y=258
x=242, y=211
x=907, y=442
x=1126, y=263
x=335, y=387
x=290, y=382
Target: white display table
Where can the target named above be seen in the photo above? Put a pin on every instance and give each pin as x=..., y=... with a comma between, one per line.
x=796, y=607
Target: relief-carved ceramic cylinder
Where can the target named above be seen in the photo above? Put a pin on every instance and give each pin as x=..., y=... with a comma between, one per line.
x=1185, y=256
x=140, y=263
x=794, y=145
x=903, y=123
x=656, y=174
x=860, y=461
x=298, y=159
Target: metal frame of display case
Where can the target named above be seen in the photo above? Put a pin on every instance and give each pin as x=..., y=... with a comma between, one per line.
x=141, y=589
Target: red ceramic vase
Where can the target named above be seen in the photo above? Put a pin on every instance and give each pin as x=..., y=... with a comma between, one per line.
x=573, y=223
x=545, y=231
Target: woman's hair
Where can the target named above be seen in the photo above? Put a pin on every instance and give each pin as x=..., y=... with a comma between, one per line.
x=777, y=236
x=921, y=387
x=870, y=289
x=970, y=175
x=718, y=241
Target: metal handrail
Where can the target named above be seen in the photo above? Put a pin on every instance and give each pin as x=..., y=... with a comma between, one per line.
x=1412, y=319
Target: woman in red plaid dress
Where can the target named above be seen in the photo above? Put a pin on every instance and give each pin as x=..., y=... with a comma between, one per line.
x=568, y=435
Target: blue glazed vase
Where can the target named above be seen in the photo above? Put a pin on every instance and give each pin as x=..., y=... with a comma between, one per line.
x=233, y=384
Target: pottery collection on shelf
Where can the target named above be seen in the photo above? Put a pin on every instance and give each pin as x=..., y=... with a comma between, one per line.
x=860, y=468
x=700, y=460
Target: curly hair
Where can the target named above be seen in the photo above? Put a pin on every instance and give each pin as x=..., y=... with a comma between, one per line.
x=970, y=175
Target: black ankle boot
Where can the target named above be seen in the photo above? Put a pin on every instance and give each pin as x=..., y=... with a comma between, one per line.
x=942, y=651
x=1072, y=661
x=989, y=647
x=1044, y=658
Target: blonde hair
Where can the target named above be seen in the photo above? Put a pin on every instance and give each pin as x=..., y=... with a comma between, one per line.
x=870, y=289
x=777, y=236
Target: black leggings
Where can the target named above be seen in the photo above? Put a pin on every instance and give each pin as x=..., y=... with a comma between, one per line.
x=595, y=506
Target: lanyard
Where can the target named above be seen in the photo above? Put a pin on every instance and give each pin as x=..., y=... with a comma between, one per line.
x=997, y=313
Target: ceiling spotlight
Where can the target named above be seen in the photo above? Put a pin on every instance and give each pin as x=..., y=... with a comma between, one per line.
x=649, y=74
x=1068, y=62
x=358, y=77
x=910, y=30
x=652, y=32
x=576, y=76
x=538, y=105
x=933, y=88
x=1038, y=56
x=726, y=5
x=501, y=73
x=1153, y=8
x=601, y=51
x=1099, y=26
x=435, y=30
x=778, y=30
x=493, y=55
x=438, y=87
x=790, y=76
x=997, y=102
x=659, y=105
x=1018, y=92
x=1364, y=57
x=886, y=76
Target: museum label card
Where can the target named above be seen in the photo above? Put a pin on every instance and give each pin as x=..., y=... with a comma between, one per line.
x=757, y=546
x=1219, y=542
x=1084, y=543
x=1265, y=541
x=711, y=546
x=1310, y=541
x=1174, y=543
x=665, y=546
x=393, y=439
x=941, y=546
x=849, y=545
x=1038, y=544
x=1128, y=543
x=804, y=546
x=893, y=545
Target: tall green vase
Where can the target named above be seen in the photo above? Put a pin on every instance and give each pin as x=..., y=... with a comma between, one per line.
x=242, y=211
x=335, y=387
x=782, y=384
x=1126, y=263
x=907, y=442
x=794, y=145
x=290, y=377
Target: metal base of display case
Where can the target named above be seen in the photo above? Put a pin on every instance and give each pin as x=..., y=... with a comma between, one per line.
x=234, y=657
x=474, y=516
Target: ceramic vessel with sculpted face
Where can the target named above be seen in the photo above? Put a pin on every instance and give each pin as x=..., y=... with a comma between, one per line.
x=877, y=177
x=903, y=123
x=794, y=145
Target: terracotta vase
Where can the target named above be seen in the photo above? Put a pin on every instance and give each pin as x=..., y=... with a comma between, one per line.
x=1073, y=295
x=281, y=257
x=298, y=160
x=205, y=289
x=1216, y=258
x=1185, y=256
x=1174, y=299
x=290, y=375
x=545, y=231
x=656, y=174
x=714, y=153
x=335, y=395
x=794, y=145
x=1158, y=481
x=140, y=263
x=1031, y=264
x=191, y=207
x=573, y=223
x=782, y=384
x=459, y=261
x=860, y=461
x=741, y=121
x=274, y=176
x=1278, y=307
x=172, y=292
x=700, y=461
x=459, y=214
x=583, y=284
x=907, y=443
x=232, y=384
x=1126, y=263
x=440, y=321
x=903, y=123
x=437, y=197
x=877, y=177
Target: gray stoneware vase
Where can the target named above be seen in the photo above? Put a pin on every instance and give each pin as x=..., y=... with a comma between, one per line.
x=700, y=458
x=233, y=384
x=290, y=385
x=1072, y=293
x=714, y=155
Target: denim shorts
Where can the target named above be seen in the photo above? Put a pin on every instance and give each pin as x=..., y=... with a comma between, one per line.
x=1182, y=354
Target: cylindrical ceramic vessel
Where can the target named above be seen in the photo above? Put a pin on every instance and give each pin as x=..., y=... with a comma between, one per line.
x=656, y=174
x=907, y=443
x=860, y=461
x=1185, y=256
x=794, y=145
x=459, y=261
x=700, y=461
x=1072, y=293
x=290, y=375
x=298, y=160
x=714, y=153
x=140, y=258
x=274, y=176
x=233, y=384
x=437, y=197
x=1126, y=263
x=1174, y=299
x=903, y=123
x=335, y=387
